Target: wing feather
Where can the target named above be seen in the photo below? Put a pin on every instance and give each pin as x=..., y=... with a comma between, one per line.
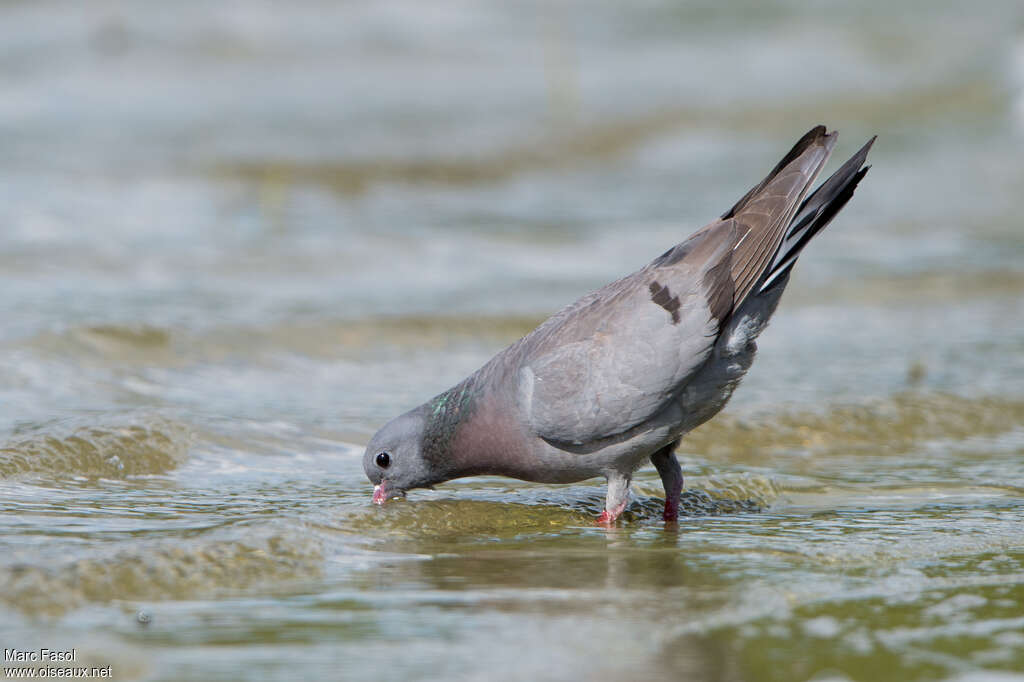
x=582, y=390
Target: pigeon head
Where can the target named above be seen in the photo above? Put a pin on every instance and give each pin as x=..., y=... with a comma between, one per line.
x=393, y=460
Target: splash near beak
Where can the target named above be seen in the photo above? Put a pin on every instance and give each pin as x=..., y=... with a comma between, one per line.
x=382, y=493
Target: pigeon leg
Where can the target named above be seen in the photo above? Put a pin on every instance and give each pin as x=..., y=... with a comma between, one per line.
x=618, y=496
x=665, y=462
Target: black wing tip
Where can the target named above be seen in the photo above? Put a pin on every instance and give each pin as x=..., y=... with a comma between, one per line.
x=862, y=153
x=836, y=193
x=820, y=131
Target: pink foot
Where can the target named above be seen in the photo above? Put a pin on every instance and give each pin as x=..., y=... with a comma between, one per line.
x=609, y=516
x=671, y=514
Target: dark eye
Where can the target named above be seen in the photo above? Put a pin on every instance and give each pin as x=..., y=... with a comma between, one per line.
x=383, y=460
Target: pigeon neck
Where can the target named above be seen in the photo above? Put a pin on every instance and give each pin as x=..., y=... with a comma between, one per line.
x=443, y=415
x=466, y=432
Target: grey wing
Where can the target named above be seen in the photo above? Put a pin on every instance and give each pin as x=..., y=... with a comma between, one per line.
x=621, y=359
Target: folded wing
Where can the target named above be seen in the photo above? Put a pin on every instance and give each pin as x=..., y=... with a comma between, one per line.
x=615, y=358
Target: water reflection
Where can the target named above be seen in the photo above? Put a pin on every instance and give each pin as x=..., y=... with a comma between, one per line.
x=237, y=239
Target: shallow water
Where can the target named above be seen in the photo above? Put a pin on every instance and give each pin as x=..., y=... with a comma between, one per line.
x=237, y=239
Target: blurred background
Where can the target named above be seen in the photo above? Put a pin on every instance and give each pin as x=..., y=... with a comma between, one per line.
x=235, y=238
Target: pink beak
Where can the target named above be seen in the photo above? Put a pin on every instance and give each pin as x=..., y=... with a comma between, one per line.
x=380, y=494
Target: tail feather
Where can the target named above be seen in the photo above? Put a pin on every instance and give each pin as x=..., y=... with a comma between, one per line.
x=816, y=212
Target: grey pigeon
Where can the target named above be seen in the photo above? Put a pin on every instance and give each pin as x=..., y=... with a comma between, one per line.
x=623, y=373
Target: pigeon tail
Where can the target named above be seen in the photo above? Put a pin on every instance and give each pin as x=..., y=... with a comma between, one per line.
x=815, y=213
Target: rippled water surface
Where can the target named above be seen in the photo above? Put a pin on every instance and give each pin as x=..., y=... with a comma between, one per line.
x=235, y=239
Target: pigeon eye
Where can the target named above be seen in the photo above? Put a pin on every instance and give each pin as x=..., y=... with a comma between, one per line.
x=383, y=460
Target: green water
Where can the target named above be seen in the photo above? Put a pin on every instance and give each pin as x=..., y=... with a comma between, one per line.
x=234, y=240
